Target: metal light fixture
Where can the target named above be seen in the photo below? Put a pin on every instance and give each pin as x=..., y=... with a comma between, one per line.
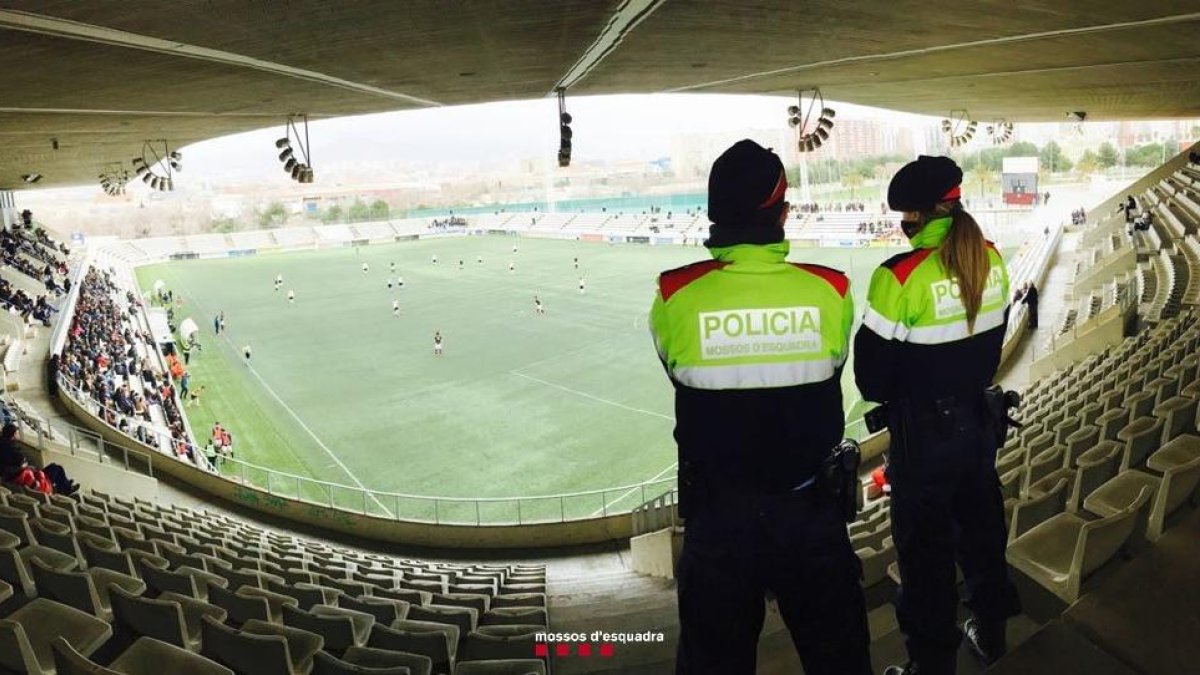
x=1000, y=132
x=959, y=127
x=812, y=129
x=157, y=165
x=564, y=130
x=300, y=169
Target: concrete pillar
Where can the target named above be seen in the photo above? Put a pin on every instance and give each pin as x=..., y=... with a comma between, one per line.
x=8, y=208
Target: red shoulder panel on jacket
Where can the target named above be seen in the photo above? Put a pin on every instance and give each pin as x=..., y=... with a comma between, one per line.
x=839, y=281
x=671, y=281
x=904, y=264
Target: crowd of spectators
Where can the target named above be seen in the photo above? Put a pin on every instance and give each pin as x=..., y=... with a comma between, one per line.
x=878, y=228
x=834, y=207
x=48, y=268
x=19, y=302
x=108, y=361
x=1079, y=216
x=448, y=223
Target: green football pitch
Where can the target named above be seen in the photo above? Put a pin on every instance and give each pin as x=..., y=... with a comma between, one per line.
x=341, y=390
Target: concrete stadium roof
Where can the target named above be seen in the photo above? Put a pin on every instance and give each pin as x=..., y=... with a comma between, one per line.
x=102, y=77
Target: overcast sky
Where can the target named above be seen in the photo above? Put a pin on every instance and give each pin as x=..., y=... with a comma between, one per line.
x=605, y=128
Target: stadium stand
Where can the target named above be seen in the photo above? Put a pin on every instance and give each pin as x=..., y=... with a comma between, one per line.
x=231, y=596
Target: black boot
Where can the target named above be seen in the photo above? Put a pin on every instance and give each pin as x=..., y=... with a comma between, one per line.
x=987, y=641
x=908, y=669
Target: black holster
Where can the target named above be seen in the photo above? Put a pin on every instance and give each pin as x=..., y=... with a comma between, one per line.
x=838, y=478
x=998, y=403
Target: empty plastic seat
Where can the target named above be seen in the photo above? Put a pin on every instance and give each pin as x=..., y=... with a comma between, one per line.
x=385, y=610
x=436, y=641
x=1044, y=463
x=146, y=656
x=1095, y=467
x=409, y=596
x=506, y=667
x=1178, y=415
x=1142, y=436
x=86, y=591
x=302, y=645
x=519, y=600
x=275, y=601
x=241, y=608
x=327, y=664
x=1140, y=404
x=483, y=646
x=162, y=618
x=875, y=562
x=465, y=618
x=1068, y=426
x=1061, y=552
x=514, y=615
x=1111, y=422
x=1028, y=513
x=361, y=622
x=309, y=594
x=250, y=653
x=369, y=657
x=480, y=602
x=26, y=635
x=1080, y=441
x=163, y=581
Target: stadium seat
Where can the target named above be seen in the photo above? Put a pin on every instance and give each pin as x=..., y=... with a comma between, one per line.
x=86, y=591
x=302, y=645
x=249, y=653
x=368, y=657
x=361, y=623
x=1061, y=552
x=1142, y=437
x=146, y=656
x=465, y=618
x=161, y=618
x=514, y=615
x=385, y=610
x=506, y=667
x=1096, y=466
x=1028, y=513
x=1111, y=422
x=875, y=562
x=26, y=635
x=436, y=641
x=241, y=608
x=519, y=600
x=1080, y=441
x=1178, y=415
x=1044, y=463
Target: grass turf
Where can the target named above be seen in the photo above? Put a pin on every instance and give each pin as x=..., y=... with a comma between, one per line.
x=342, y=391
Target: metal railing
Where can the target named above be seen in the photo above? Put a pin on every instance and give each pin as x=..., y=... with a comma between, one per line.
x=269, y=483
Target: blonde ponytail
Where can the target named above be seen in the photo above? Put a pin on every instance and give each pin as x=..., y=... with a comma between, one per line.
x=964, y=255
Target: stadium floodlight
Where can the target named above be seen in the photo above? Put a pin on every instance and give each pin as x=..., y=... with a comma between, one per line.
x=959, y=128
x=1000, y=132
x=812, y=129
x=294, y=149
x=156, y=165
x=564, y=130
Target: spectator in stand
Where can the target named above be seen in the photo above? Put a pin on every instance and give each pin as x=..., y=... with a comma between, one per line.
x=1031, y=301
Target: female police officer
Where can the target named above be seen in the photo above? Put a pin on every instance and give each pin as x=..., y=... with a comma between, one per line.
x=928, y=348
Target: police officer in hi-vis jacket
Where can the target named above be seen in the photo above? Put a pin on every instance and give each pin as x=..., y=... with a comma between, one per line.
x=754, y=346
x=929, y=347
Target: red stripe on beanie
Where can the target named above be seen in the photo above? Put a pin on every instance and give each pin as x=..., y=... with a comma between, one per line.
x=954, y=193
x=777, y=193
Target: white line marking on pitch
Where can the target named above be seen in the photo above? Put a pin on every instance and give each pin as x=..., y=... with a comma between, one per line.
x=630, y=491
x=594, y=398
x=297, y=418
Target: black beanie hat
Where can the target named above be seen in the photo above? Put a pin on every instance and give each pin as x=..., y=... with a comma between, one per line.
x=745, y=191
x=920, y=185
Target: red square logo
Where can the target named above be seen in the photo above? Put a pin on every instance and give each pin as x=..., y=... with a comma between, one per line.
x=584, y=649
x=606, y=649
x=541, y=650
x=562, y=649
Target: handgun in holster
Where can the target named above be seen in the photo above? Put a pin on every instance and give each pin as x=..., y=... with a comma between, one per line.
x=999, y=402
x=839, y=478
